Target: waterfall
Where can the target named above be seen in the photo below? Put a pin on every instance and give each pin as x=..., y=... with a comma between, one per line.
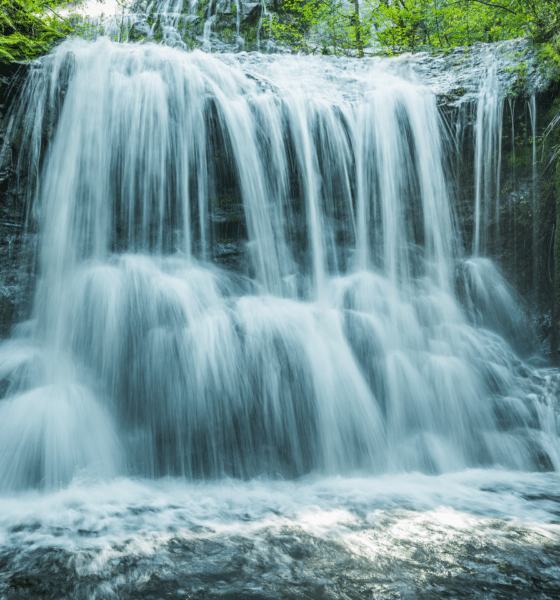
x=243, y=273
x=488, y=157
x=511, y=104
x=534, y=215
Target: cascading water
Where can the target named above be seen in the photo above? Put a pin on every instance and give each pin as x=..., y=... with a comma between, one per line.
x=488, y=158
x=534, y=212
x=185, y=24
x=340, y=331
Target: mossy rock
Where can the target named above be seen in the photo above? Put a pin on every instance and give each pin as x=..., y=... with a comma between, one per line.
x=28, y=29
x=139, y=31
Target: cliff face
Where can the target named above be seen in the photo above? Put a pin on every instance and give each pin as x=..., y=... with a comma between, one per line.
x=17, y=237
x=518, y=197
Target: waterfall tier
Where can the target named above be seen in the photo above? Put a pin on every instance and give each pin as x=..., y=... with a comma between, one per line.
x=243, y=275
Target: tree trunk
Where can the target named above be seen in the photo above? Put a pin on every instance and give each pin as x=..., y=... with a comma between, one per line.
x=358, y=29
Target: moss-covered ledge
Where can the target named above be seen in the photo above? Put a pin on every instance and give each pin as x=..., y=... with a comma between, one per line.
x=28, y=29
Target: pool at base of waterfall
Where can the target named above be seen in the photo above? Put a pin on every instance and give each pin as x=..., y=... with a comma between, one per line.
x=474, y=534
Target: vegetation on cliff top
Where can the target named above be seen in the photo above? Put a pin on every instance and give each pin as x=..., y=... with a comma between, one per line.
x=340, y=26
x=29, y=28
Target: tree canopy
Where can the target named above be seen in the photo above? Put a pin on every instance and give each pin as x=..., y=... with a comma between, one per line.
x=29, y=28
x=345, y=26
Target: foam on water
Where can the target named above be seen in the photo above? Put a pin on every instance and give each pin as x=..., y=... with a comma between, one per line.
x=408, y=533
x=96, y=515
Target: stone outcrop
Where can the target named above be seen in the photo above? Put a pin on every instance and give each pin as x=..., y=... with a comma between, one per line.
x=17, y=243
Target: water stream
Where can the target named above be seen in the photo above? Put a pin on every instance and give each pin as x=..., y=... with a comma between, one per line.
x=259, y=363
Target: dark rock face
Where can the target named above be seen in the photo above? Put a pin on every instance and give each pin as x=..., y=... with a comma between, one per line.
x=17, y=274
x=17, y=244
x=520, y=224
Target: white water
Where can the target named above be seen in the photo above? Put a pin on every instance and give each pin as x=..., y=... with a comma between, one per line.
x=235, y=507
x=532, y=104
x=488, y=157
x=341, y=344
x=176, y=23
x=414, y=535
x=343, y=334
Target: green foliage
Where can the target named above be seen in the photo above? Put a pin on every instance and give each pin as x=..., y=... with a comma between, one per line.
x=29, y=28
x=552, y=133
x=333, y=26
x=549, y=59
x=443, y=24
x=408, y=25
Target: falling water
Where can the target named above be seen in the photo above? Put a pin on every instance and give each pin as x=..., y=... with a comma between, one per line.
x=338, y=331
x=511, y=103
x=487, y=161
x=176, y=23
x=343, y=341
x=534, y=213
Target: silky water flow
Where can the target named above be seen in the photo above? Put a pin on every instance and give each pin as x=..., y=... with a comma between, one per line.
x=344, y=334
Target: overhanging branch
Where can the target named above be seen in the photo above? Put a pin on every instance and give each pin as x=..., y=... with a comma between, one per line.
x=490, y=4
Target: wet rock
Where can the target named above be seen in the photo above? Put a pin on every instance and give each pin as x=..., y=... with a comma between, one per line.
x=139, y=31
x=7, y=313
x=248, y=7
